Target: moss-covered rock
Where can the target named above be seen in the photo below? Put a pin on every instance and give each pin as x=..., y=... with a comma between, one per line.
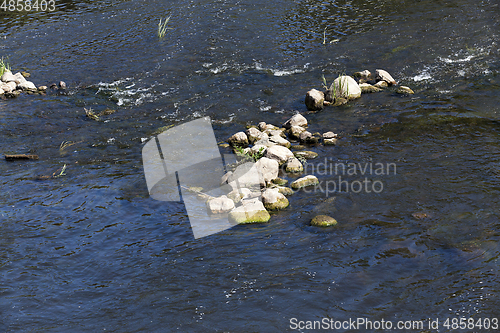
x=305, y=181
x=404, y=90
x=274, y=200
x=251, y=211
x=279, y=181
x=285, y=190
x=293, y=165
x=308, y=155
x=323, y=221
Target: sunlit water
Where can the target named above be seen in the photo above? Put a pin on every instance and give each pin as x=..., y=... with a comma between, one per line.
x=91, y=251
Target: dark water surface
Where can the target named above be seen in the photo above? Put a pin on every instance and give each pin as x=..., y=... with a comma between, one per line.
x=91, y=251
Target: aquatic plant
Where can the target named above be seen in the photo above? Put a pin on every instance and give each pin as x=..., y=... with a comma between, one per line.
x=162, y=27
x=4, y=65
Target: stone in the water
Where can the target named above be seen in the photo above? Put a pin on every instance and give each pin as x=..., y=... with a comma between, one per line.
x=298, y=147
x=305, y=181
x=7, y=88
x=295, y=131
x=345, y=87
x=263, y=126
x=404, y=90
x=330, y=142
x=368, y=88
x=296, y=120
x=42, y=88
x=306, y=154
x=273, y=199
x=307, y=137
x=364, y=75
x=314, y=100
x=278, y=153
x=275, y=132
x=267, y=168
x=7, y=76
x=382, y=75
x=323, y=221
x=381, y=84
x=330, y=135
x=27, y=85
x=239, y=193
x=280, y=141
x=279, y=181
x=253, y=134
x=239, y=139
x=25, y=74
x=285, y=190
x=293, y=165
x=19, y=78
x=220, y=205
x=62, y=85
x=251, y=211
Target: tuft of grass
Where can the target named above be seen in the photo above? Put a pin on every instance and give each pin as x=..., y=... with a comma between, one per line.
x=250, y=156
x=162, y=27
x=4, y=65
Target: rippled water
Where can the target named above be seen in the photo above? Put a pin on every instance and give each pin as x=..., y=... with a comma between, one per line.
x=92, y=251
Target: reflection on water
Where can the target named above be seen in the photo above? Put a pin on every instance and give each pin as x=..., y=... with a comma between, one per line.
x=92, y=251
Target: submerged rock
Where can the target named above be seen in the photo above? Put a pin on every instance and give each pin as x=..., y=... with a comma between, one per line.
x=345, y=87
x=296, y=120
x=330, y=135
x=306, y=154
x=368, y=88
x=314, y=100
x=251, y=211
x=404, y=90
x=382, y=75
x=274, y=200
x=323, y=221
x=285, y=190
x=330, y=142
x=304, y=182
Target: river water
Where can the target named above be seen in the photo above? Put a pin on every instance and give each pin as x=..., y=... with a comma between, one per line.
x=91, y=251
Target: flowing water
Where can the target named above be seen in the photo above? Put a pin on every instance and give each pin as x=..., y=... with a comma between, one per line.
x=91, y=251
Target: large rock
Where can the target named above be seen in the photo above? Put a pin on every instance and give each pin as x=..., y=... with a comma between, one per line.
x=253, y=134
x=273, y=199
x=279, y=153
x=239, y=139
x=293, y=165
x=268, y=168
x=314, y=100
x=345, y=87
x=305, y=181
x=8, y=76
x=251, y=211
x=296, y=120
x=19, y=78
x=384, y=76
x=27, y=85
x=323, y=221
x=280, y=141
x=7, y=87
x=220, y=205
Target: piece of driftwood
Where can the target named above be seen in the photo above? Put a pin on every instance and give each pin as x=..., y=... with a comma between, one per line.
x=21, y=157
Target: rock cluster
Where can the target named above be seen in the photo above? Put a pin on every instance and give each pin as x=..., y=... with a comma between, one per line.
x=346, y=88
x=12, y=85
x=253, y=197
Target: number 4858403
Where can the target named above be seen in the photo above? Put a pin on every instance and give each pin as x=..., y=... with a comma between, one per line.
x=28, y=5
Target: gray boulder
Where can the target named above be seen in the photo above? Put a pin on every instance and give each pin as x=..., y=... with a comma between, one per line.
x=314, y=100
x=296, y=120
x=345, y=87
